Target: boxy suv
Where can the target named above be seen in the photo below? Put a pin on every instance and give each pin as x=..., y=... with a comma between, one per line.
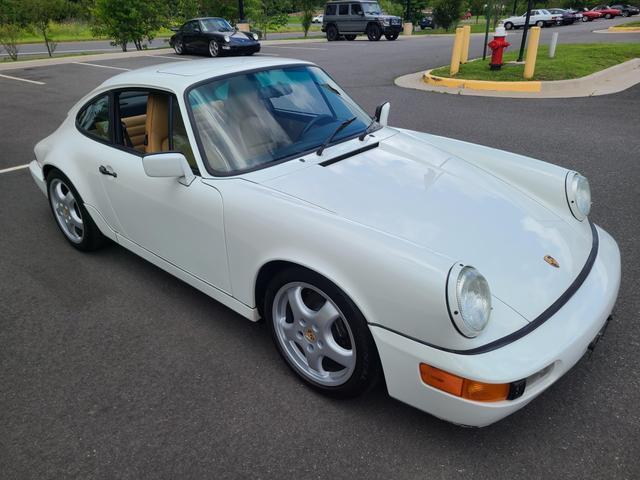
x=349, y=19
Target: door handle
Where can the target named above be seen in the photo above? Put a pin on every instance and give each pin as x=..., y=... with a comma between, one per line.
x=107, y=171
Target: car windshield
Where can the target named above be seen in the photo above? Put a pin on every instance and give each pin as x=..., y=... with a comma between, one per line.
x=216, y=25
x=371, y=8
x=248, y=120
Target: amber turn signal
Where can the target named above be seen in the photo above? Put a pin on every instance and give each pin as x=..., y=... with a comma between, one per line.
x=463, y=387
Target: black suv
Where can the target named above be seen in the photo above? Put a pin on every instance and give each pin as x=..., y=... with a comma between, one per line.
x=349, y=19
x=627, y=10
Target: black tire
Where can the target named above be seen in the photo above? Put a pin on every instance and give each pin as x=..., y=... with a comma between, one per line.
x=178, y=47
x=92, y=237
x=540, y=23
x=350, y=37
x=391, y=36
x=508, y=26
x=585, y=19
x=332, y=33
x=608, y=16
x=367, y=365
x=214, y=49
x=374, y=32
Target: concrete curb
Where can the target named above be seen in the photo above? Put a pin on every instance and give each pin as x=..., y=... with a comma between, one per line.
x=611, y=80
x=524, y=86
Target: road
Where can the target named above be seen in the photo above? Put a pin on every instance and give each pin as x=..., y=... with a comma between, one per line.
x=95, y=46
x=111, y=368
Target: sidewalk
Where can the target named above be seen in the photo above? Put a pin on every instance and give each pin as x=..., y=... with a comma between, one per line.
x=611, y=80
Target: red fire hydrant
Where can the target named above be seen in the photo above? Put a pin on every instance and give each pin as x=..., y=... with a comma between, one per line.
x=497, y=45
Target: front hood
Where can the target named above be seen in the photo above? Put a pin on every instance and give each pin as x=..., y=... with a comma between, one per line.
x=410, y=189
x=236, y=37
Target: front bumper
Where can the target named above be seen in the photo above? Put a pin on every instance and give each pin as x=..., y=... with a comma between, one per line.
x=391, y=29
x=241, y=48
x=553, y=348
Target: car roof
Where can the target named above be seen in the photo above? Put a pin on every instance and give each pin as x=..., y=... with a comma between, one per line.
x=178, y=76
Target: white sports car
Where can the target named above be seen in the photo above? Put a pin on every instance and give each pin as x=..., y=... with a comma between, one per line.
x=469, y=278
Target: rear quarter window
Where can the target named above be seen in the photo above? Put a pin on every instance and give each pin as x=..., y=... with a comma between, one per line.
x=93, y=119
x=330, y=10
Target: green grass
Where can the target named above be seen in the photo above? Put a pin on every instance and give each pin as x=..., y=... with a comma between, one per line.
x=630, y=24
x=73, y=31
x=571, y=61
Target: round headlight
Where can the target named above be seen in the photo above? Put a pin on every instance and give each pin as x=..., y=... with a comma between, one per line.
x=578, y=195
x=255, y=36
x=227, y=38
x=469, y=300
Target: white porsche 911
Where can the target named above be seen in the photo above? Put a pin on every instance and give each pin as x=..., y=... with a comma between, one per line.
x=469, y=278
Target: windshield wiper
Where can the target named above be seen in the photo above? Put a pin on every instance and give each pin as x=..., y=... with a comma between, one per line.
x=341, y=127
x=370, y=128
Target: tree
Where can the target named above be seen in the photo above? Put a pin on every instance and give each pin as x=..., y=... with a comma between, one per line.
x=268, y=14
x=9, y=36
x=40, y=14
x=446, y=13
x=307, y=7
x=127, y=21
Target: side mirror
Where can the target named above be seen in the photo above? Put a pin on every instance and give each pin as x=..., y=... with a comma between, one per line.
x=168, y=165
x=361, y=13
x=382, y=113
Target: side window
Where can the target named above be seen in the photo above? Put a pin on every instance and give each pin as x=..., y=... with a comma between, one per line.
x=178, y=139
x=93, y=119
x=356, y=9
x=132, y=116
x=330, y=10
x=344, y=9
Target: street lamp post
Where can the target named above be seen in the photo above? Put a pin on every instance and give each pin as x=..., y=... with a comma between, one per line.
x=241, y=11
x=526, y=29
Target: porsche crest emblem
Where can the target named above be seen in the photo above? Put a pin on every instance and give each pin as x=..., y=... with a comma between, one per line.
x=310, y=335
x=551, y=261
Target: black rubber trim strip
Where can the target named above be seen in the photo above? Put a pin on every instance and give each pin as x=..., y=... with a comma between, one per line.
x=531, y=326
x=326, y=163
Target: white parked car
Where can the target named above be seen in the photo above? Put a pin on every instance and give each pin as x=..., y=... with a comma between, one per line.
x=470, y=278
x=317, y=19
x=538, y=18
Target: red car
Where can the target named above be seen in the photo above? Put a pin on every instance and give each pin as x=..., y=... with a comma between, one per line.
x=588, y=15
x=606, y=11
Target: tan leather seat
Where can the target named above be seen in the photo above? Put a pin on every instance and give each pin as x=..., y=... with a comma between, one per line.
x=136, y=127
x=157, y=123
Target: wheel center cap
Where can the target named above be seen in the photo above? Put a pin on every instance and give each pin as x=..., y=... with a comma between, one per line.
x=310, y=335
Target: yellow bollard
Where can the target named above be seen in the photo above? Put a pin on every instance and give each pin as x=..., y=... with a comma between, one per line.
x=464, y=56
x=532, y=53
x=455, y=53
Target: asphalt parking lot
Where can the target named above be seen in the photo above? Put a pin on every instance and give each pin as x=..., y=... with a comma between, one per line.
x=112, y=368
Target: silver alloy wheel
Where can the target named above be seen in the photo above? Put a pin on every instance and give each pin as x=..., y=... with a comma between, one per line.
x=66, y=210
x=314, y=334
x=214, y=48
x=178, y=47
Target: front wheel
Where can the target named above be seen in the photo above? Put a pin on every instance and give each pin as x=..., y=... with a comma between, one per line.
x=608, y=16
x=350, y=37
x=540, y=23
x=320, y=333
x=391, y=36
x=72, y=217
x=508, y=26
x=178, y=46
x=374, y=32
x=214, y=48
x=332, y=33
x=585, y=19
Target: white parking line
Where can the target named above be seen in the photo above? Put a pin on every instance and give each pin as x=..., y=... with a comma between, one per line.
x=22, y=79
x=164, y=56
x=294, y=48
x=13, y=169
x=101, y=66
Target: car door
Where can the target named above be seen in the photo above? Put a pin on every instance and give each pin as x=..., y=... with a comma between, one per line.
x=358, y=22
x=344, y=24
x=181, y=224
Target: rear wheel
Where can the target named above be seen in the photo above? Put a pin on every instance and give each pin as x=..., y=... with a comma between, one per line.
x=608, y=16
x=72, y=217
x=350, y=37
x=508, y=25
x=214, y=48
x=320, y=333
x=332, y=33
x=374, y=32
x=540, y=23
x=391, y=36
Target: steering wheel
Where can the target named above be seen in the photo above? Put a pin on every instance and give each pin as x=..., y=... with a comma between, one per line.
x=314, y=122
